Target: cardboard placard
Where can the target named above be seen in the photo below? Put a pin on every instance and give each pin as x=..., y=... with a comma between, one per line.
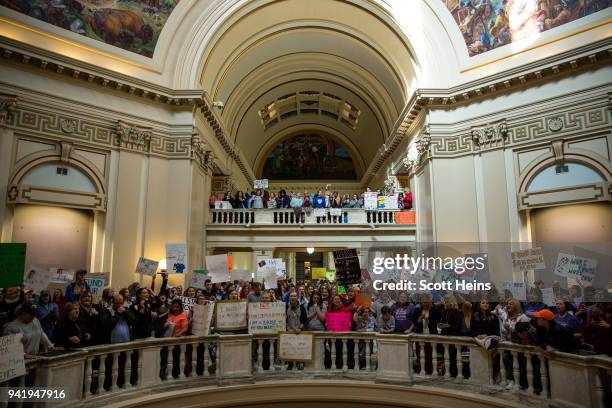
x=263, y=183
x=319, y=273
x=97, y=282
x=576, y=267
x=370, y=201
x=548, y=296
x=518, y=289
x=335, y=212
x=241, y=274
x=37, y=279
x=528, y=259
x=231, y=315
x=348, y=270
x=295, y=347
x=363, y=299
x=147, y=267
x=12, y=361
x=198, y=278
x=318, y=212
x=267, y=317
x=60, y=275
x=201, y=319
x=188, y=302
x=218, y=268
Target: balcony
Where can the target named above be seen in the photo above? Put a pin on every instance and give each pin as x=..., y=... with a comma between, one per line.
x=286, y=216
x=363, y=369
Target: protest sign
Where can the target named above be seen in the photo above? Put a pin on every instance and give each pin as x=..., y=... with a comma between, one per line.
x=97, y=282
x=319, y=273
x=348, y=270
x=263, y=183
x=271, y=270
x=338, y=322
x=370, y=201
x=391, y=202
x=341, y=290
x=335, y=212
x=548, y=297
x=187, y=302
x=176, y=258
x=330, y=275
x=37, y=279
x=231, y=315
x=295, y=347
x=197, y=278
x=60, y=275
x=267, y=317
x=12, y=362
x=241, y=274
x=518, y=289
x=363, y=299
x=575, y=267
x=12, y=264
x=528, y=259
x=218, y=268
x=202, y=316
x=147, y=267
x=318, y=212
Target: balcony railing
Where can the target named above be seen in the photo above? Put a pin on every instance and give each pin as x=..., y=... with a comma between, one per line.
x=95, y=375
x=347, y=216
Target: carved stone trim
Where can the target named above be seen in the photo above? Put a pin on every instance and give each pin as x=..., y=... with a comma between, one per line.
x=68, y=125
x=555, y=124
x=490, y=135
x=8, y=105
x=422, y=145
x=557, y=147
x=203, y=156
x=66, y=151
x=133, y=137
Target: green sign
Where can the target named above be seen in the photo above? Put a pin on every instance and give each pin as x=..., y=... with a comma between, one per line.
x=12, y=264
x=341, y=290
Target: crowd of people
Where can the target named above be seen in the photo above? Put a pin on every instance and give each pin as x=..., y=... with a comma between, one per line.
x=307, y=200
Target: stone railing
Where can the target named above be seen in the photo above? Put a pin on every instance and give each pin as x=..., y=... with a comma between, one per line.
x=286, y=216
x=110, y=373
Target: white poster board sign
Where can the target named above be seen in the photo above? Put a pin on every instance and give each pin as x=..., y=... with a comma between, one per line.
x=518, y=289
x=60, y=275
x=12, y=362
x=263, y=183
x=370, y=201
x=201, y=318
x=267, y=317
x=36, y=279
x=231, y=315
x=147, y=267
x=528, y=259
x=176, y=258
x=295, y=347
x=188, y=302
x=575, y=267
x=391, y=202
x=218, y=268
x=241, y=274
x=548, y=296
x=335, y=212
x=318, y=212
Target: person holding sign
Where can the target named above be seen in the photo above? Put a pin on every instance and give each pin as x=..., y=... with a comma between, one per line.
x=296, y=320
x=75, y=289
x=338, y=319
x=178, y=321
x=33, y=336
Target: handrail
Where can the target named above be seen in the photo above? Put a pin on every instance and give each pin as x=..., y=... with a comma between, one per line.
x=103, y=371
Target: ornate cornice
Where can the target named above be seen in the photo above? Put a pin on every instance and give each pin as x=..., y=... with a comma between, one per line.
x=204, y=157
x=8, y=105
x=133, y=137
x=490, y=135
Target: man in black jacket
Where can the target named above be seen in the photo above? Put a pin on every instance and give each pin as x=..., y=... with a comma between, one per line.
x=552, y=336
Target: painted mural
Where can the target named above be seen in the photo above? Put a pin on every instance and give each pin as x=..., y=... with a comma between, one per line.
x=133, y=25
x=488, y=24
x=309, y=157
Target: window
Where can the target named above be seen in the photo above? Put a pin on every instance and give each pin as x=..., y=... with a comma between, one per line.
x=59, y=176
x=566, y=175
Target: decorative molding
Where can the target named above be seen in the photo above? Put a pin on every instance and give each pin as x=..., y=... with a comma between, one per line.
x=557, y=148
x=555, y=123
x=66, y=151
x=490, y=135
x=133, y=137
x=8, y=105
x=26, y=194
x=68, y=125
x=204, y=157
x=422, y=145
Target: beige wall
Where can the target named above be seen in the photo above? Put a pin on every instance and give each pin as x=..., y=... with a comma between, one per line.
x=573, y=223
x=56, y=237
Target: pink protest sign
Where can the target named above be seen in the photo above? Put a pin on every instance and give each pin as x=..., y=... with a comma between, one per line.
x=338, y=321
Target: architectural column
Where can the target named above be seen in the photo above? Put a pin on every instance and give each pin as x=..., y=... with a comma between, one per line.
x=8, y=106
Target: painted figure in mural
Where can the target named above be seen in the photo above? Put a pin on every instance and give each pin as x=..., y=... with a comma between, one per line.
x=488, y=24
x=134, y=25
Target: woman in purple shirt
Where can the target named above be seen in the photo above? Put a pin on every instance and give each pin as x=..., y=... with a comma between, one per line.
x=566, y=319
x=403, y=312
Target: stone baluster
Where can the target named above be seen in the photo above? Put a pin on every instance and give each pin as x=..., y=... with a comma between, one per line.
x=502, y=368
x=447, y=373
x=422, y=359
x=544, y=374
x=272, y=354
x=460, y=363
x=344, y=354
x=194, y=360
x=332, y=346
x=516, y=368
x=182, y=357
x=205, y=360
x=88, y=376
x=260, y=356
x=115, y=371
x=368, y=355
x=128, y=369
x=530, y=376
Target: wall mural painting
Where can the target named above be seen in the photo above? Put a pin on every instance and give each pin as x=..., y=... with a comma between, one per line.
x=309, y=157
x=133, y=25
x=488, y=24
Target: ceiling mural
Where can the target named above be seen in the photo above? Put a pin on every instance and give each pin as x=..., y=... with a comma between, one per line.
x=309, y=157
x=488, y=24
x=133, y=25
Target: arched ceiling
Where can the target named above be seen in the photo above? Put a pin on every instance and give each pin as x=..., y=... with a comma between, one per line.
x=286, y=47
